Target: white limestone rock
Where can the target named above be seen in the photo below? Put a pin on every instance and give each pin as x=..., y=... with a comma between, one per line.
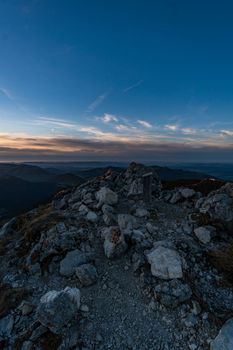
x=57, y=308
x=165, y=263
x=106, y=196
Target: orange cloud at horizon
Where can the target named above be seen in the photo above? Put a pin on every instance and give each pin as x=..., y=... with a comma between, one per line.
x=23, y=147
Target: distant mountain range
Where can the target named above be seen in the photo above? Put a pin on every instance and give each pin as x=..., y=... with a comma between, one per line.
x=222, y=171
x=25, y=186
x=88, y=170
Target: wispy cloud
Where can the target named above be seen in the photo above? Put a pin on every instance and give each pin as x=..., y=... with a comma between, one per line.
x=133, y=86
x=122, y=127
x=171, y=127
x=25, y=147
x=7, y=93
x=61, y=123
x=227, y=133
x=108, y=118
x=145, y=124
x=175, y=128
x=188, y=131
x=98, y=101
x=109, y=135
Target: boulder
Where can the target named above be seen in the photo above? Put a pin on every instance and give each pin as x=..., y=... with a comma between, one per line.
x=114, y=243
x=72, y=260
x=86, y=274
x=106, y=196
x=51, y=243
x=224, y=339
x=219, y=207
x=57, y=308
x=172, y=293
x=165, y=263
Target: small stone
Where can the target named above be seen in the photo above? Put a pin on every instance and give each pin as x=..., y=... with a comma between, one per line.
x=109, y=215
x=150, y=228
x=190, y=321
x=86, y=274
x=83, y=208
x=99, y=337
x=196, y=310
x=192, y=346
x=84, y=308
x=140, y=213
x=187, y=192
x=204, y=233
x=27, y=345
x=91, y=216
x=175, y=197
x=26, y=308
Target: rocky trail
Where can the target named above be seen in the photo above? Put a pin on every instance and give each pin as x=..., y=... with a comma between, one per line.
x=119, y=263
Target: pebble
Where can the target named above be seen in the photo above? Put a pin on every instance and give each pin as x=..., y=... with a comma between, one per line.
x=84, y=308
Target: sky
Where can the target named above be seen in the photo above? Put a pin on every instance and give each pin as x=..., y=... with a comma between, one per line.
x=116, y=80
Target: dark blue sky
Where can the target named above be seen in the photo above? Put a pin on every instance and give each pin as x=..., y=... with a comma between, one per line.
x=98, y=79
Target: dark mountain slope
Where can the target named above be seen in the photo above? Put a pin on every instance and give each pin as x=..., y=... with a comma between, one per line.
x=67, y=180
x=18, y=195
x=168, y=174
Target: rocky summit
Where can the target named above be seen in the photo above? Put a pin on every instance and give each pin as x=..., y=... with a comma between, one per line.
x=119, y=263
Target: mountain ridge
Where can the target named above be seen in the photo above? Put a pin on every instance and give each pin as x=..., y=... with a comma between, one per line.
x=115, y=264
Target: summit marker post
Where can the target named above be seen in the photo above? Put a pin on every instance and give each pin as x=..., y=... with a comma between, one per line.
x=147, y=187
